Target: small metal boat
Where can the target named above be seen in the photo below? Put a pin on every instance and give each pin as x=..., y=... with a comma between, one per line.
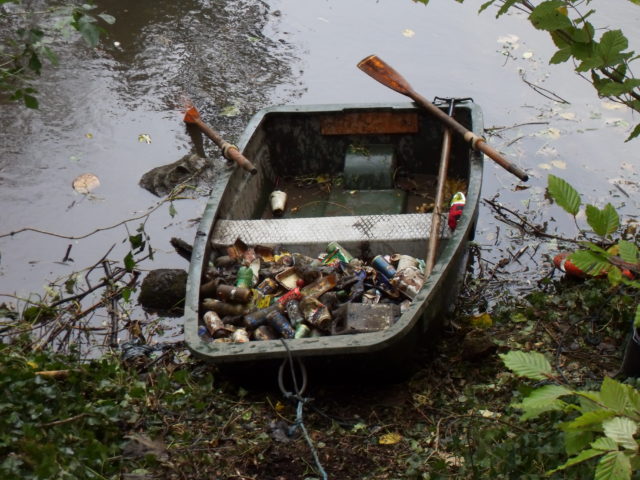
x=364, y=176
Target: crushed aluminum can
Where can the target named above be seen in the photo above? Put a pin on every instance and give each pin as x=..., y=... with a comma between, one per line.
x=223, y=340
x=224, y=308
x=263, y=301
x=320, y=286
x=316, y=313
x=264, y=332
x=409, y=281
x=268, y=286
x=294, y=312
x=213, y=323
x=225, y=261
x=208, y=289
x=232, y=294
x=240, y=336
x=288, y=278
x=335, y=250
x=280, y=324
x=302, y=331
x=293, y=294
x=381, y=265
x=404, y=261
x=255, y=319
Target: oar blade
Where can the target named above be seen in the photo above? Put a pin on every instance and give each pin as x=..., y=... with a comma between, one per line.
x=191, y=115
x=377, y=69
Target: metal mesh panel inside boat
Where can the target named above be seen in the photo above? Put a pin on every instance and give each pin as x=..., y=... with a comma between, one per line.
x=405, y=233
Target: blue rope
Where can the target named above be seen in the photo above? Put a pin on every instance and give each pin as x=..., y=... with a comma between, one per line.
x=299, y=423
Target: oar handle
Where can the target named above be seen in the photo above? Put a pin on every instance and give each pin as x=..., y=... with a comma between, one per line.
x=477, y=142
x=229, y=151
x=379, y=70
x=497, y=157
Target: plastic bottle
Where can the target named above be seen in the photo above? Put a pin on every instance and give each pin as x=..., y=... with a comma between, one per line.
x=320, y=286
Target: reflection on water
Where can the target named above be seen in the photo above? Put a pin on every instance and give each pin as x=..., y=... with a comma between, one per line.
x=227, y=57
x=234, y=57
x=215, y=53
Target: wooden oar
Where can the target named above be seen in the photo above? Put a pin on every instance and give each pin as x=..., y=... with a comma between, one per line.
x=229, y=151
x=383, y=73
x=434, y=235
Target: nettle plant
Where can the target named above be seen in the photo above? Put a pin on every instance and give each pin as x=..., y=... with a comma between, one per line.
x=606, y=420
x=605, y=255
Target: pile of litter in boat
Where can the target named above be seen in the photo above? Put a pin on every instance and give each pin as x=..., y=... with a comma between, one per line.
x=264, y=293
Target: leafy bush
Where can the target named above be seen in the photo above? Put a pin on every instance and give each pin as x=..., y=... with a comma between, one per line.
x=615, y=258
x=606, y=423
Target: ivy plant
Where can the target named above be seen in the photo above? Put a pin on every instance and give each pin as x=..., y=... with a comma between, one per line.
x=606, y=421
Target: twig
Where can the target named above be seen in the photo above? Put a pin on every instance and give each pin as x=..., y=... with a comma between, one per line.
x=544, y=92
x=112, y=306
x=500, y=129
x=524, y=225
x=62, y=422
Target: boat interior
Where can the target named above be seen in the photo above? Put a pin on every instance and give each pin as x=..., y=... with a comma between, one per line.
x=364, y=178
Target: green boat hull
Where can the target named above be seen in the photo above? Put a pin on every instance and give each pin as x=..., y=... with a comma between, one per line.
x=313, y=141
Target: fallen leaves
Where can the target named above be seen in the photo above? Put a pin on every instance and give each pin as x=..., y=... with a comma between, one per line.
x=85, y=183
x=390, y=439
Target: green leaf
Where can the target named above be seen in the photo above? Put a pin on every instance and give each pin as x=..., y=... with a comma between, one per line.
x=172, y=210
x=621, y=430
x=576, y=440
x=591, y=263
x=506, y=5
x=35, y=64
x=129, y=262
x=486, y=5
x=588, y=421
x=51, y=55
x=628, y=251
x=614, y=275
x=564, y=194
x=531, y=365
x=636, y=320
x=613, y=466
x=550, y=15
x=543, y=399
x=607, y=53
x=613, y=395
x=30, y=101
x=581, y=457
x=634, y=133
x=136, y=241
x=603, y=222
x=612, y=88
x=611, y=46
x=89, y=31
x=604, y=444
x=110, y=19
x=561, y=56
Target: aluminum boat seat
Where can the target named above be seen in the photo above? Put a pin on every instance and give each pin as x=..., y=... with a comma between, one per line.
x=360, y=234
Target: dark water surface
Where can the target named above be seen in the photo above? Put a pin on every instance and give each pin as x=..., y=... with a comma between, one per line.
x=232, y=58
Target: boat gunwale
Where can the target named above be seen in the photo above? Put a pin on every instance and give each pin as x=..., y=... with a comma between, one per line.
x=337, y=344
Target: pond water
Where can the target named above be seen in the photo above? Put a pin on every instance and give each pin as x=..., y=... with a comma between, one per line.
x=231, y=58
